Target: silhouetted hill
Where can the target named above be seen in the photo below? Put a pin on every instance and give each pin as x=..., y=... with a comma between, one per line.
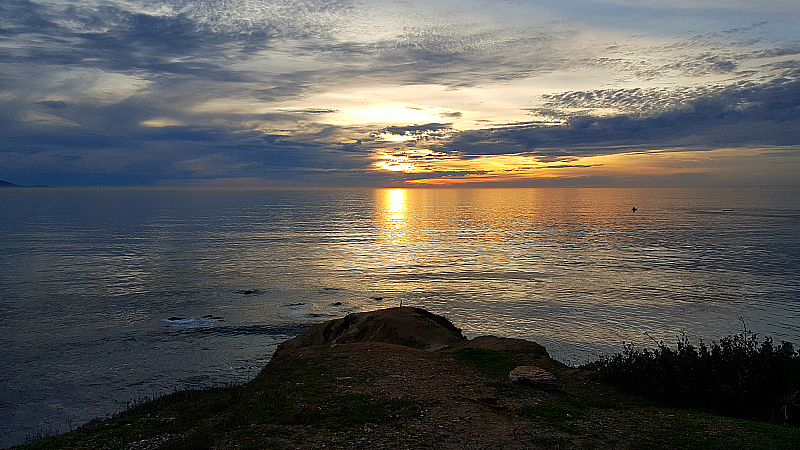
x=12, y=185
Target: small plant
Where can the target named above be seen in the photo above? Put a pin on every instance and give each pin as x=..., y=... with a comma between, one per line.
x=40, y=433
x=741, y=375
x=114, y=444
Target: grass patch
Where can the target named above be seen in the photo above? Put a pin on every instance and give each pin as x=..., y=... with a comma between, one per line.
x=558, y=413
x=578, y=417
x=552, y=412
x=263, y=415
x=689, y=430
x=493, y=363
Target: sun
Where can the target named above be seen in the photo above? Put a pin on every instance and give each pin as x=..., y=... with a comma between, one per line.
x=396, y=114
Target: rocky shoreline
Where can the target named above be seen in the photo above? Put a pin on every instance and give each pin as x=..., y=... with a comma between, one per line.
x=403, y=378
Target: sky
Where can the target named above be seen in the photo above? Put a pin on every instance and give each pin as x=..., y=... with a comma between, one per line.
x=375, y=93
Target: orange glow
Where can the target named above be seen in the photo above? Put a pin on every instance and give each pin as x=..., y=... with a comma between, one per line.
x=451, y=181
x=392, y=213
x=396, y=205
x=394, y=166
x=403, y=162
x=389, y=137
x=515, y=168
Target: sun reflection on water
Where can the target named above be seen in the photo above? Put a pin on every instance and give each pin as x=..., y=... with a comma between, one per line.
x=395, y=209
x=392, y=207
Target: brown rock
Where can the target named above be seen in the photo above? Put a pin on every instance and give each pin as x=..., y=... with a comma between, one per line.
x=407, y=326
x=530, y=374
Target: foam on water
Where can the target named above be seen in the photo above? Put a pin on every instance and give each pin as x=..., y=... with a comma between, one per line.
x=183, y=322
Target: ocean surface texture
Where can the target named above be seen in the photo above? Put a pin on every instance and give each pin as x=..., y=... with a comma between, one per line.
x=112, y=295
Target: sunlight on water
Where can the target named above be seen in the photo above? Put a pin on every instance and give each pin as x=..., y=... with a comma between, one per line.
x=395, y=208
x=112, y=294
x=393, y=219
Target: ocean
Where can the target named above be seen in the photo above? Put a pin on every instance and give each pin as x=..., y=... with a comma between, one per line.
x=110, y=295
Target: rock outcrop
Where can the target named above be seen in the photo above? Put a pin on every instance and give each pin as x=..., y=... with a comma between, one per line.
x=407, y=326
x=530, y=374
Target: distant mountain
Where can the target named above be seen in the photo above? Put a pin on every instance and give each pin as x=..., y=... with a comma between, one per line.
x=4, y=184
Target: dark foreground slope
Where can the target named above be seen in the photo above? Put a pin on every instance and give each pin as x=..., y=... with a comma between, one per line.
x=405, y=378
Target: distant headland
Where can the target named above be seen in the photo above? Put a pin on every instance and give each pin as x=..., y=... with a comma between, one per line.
x=6, y=184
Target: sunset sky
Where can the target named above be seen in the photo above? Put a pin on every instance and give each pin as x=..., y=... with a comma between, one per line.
x=400, y=93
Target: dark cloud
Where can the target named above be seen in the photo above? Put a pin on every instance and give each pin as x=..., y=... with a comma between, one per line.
x=315, y=111
x=441, y=174
x=741, y=115
x=418, y=129
x=55, y=104
x=172, y=152
x=22, y=16
x=199, y=41
x=114, y=40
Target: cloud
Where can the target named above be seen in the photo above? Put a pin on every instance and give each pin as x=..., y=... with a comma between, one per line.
x=315, y=111
x=740, y=115
x=418, y=129
x=783, y=6
x=153, y=90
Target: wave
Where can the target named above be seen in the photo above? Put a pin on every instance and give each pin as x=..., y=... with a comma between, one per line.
x=193, y=321
x=278, y=330
x=777, y=214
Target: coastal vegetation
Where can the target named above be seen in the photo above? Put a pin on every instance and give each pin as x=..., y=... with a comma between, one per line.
x=741, y=375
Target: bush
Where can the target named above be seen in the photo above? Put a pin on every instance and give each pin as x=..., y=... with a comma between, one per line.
x=741, y=375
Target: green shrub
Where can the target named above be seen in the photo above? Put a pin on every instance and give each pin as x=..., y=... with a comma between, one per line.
x=741, y=375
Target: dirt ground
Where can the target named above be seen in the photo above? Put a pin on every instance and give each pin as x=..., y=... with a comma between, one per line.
x=464, y=403
x=460, y=407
